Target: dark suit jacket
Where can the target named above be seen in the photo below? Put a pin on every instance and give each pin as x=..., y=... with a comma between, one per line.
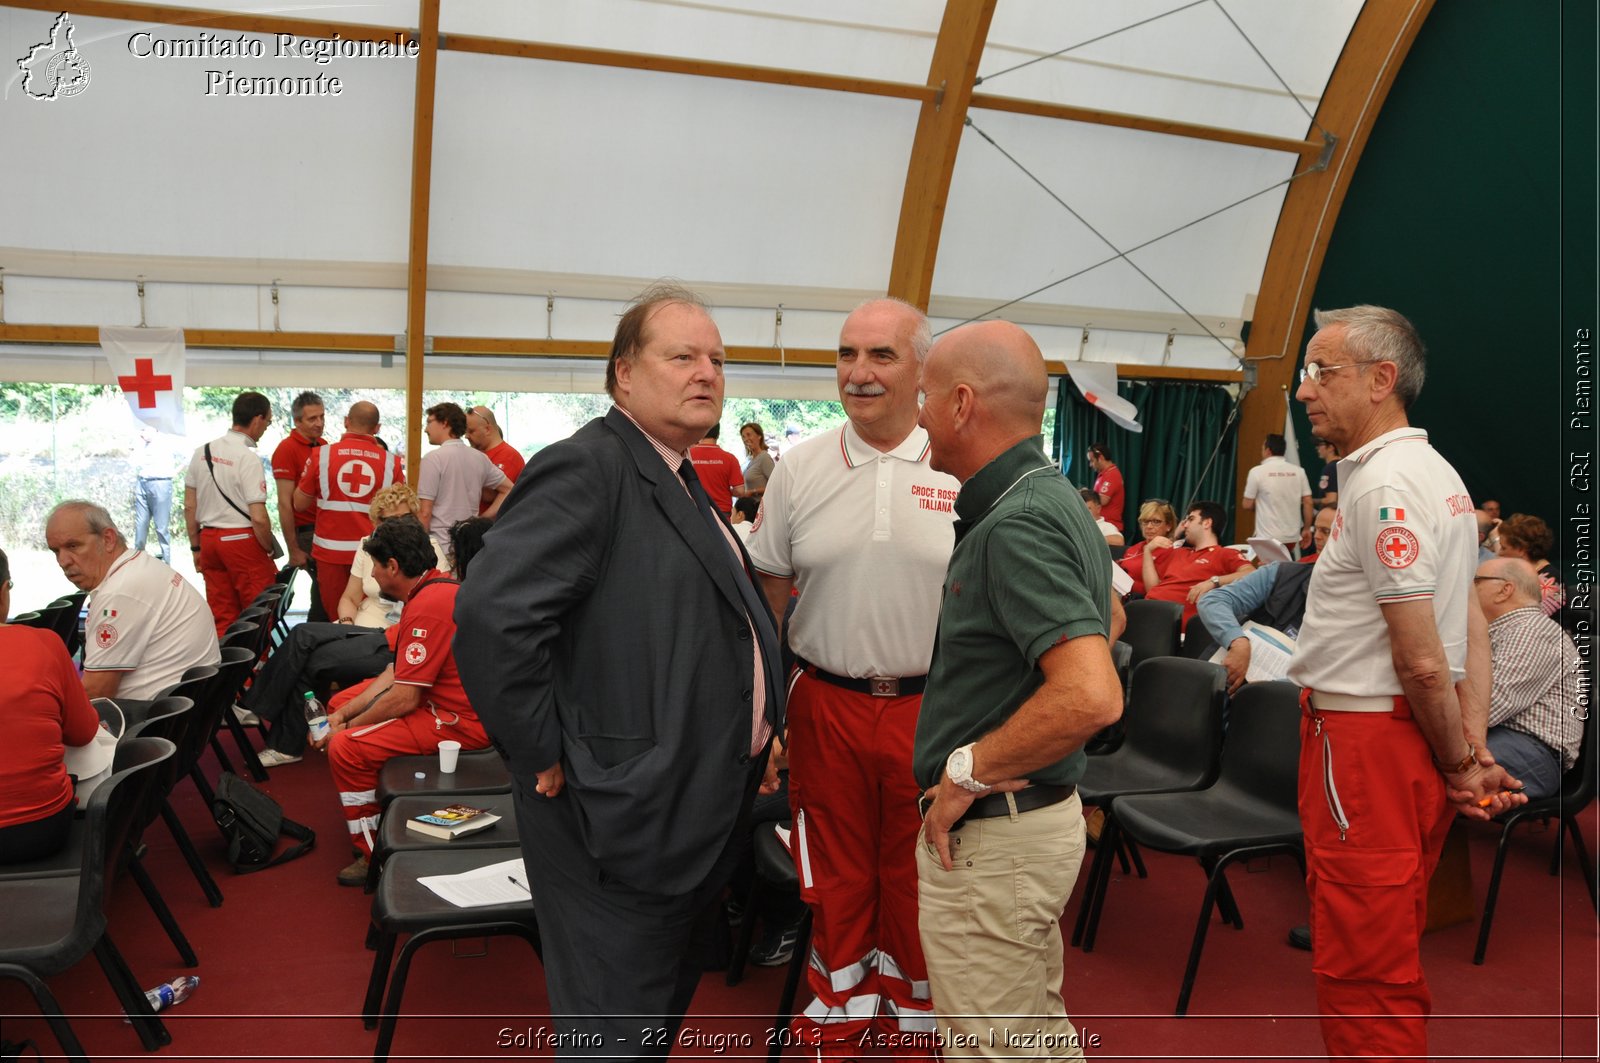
x=601, y=626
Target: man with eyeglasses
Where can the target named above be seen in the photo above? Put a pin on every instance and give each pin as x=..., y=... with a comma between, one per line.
x=1393, y=658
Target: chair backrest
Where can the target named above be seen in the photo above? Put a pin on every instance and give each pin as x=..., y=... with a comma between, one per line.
x=171, y=718
x=109, y=820
x=192, y=684
x=1175, y=711
x=32, y=618
x=1578, y=785
x=237, y=663
x=1122, y=661
x=1261, y=754
x=1152, y=629
x=64, y=614
x=240, y=633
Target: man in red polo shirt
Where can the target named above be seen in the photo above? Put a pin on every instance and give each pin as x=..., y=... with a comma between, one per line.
x=483, y=432
x=288, y=465
x=1183, y=573
x=341, y=482
x=419, y=701
x=720, y=472
x=1107, y=484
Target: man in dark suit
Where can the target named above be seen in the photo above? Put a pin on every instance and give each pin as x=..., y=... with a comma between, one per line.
x=613, y=642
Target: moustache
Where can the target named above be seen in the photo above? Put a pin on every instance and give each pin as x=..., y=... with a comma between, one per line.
x=868, y=391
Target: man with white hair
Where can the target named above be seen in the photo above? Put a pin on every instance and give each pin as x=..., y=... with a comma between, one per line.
x=1534, y=727
x=858, y=522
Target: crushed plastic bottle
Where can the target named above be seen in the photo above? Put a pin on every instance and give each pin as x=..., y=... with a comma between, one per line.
x=316, y=718
x=173, y=992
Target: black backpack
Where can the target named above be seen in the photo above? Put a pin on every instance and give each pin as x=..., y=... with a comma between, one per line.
x=252, y=823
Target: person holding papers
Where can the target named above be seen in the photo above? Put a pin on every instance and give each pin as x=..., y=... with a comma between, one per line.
x=1274, y=596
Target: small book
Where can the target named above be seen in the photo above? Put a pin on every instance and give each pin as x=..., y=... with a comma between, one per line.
x=452, y=822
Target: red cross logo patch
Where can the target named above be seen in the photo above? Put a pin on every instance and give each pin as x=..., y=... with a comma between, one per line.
x=1397, y=547
x=105, y=636
x=416, y=653
x=356, y=480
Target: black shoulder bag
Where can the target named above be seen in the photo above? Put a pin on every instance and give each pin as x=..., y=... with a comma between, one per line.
x=252, y=822
x=277, y=550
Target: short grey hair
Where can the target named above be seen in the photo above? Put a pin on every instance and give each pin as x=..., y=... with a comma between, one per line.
x=1378, y=334
x=302, y=400
x=921, y=332
x=94, y=515
x=1524, y=581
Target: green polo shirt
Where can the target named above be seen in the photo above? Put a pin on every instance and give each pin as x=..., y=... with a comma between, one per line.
x=1029, y=571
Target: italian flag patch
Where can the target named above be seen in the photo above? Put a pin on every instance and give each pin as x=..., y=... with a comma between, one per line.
x=1391, y=514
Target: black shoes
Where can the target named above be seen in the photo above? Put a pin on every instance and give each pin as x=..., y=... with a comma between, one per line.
x=1300, y=937
x=777, y=948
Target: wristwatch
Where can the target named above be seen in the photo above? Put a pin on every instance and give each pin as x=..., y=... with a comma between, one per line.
x=1466, y=762
x=1216, y=581
x=959, y=768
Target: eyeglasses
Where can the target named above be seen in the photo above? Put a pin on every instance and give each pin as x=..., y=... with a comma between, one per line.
x=1151, y=520
x=1314, y=371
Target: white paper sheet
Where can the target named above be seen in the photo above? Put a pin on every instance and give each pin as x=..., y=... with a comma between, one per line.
x=1270, y=653
x=492, y=884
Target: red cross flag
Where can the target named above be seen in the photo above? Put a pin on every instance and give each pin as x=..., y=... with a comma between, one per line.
x=147, y=363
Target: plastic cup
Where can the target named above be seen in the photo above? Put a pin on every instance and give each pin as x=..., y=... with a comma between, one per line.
x=448, y=752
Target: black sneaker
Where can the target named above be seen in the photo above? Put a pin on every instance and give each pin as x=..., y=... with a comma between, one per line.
x=777, y=948
x=1300, y=937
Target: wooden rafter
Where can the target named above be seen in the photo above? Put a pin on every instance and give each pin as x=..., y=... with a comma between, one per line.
x=1169, y=127
x=1377, y=45
x=417, y=255
x=933, y=152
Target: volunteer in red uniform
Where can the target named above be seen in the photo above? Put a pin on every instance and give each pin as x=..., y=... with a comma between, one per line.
x=863, y=527
x=1183, y=573
x=1394, y=660
x=225, y=509
x=1107, y=484
x=341, y=483
x=483, y=432
x=719, y=471
x=419, y=701
x=289, y=460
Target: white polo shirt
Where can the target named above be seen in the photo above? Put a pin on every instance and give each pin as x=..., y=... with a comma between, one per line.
x=241, y=475
x=145, y=619
x=1404, y=531
x=1277, y=485
x=867, y=537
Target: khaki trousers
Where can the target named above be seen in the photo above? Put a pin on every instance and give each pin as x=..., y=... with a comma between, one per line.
x=991, y=933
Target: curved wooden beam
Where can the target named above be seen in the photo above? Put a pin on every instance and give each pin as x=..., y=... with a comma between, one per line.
x=933, y=153
x=417, y=255
x=1378, y=43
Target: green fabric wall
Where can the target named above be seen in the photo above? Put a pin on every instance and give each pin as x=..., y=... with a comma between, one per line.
x=1454, y=217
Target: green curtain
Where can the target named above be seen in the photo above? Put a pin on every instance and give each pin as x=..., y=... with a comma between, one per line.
x=1182, y=424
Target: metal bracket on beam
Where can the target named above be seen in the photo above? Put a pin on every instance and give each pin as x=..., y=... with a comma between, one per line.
x=1329, y=143
x=1083, y=344
x=1250, y=370
x=141, y=302
x=549, y=315
x=277, y=325
x=1166, y=354
x=2, y=295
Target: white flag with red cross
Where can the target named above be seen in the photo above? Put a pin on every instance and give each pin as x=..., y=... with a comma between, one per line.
x=147, y=364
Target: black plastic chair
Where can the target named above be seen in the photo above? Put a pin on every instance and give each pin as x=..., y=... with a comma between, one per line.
x=393, y=836
x=478, y=771
x=1109, y=737
x=216, y=711
x=32, y=618
x=1173, y=744
x=1576, y=794
x=1250, y=811
x=245, y=635
x=53, y=920
x=775, y=872
x=70, y=626
x=403, y=906
x=1153, y=629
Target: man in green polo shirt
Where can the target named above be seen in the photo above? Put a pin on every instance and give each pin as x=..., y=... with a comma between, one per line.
x=1021, y=678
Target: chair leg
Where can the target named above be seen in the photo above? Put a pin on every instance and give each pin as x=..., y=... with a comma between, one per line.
x=1225, y=903
x=747, y=932
x=1214, y=885
x=1584, y=863
x=1088, y=881
x=384, y=955
x=397, y=988
x=158, y=905
x=221, y=755
x=1133, y=852
x=191, y=856
x=791, y=985
x=247, y=752
x=71, y=1048
x=1098, y=899
x=207, y=794
x=1494, y=893
x=146, y=1023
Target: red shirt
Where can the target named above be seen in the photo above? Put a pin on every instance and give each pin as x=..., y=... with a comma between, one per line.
x=289, y=463
x=1133, y=564
x=43, y=709
x=1180, y=568
x=1108, y=485
x=719, y=474
x=357, y=468
x=423, y=656
x=504, y=457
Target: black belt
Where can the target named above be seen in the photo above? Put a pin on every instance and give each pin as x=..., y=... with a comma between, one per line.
x=989, y=806
x=879, y=686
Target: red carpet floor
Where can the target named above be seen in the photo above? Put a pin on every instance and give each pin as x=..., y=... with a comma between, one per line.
x=283, y=969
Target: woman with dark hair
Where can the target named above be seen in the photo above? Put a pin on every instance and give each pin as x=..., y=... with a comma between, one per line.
x=466, y=539
x=43, y=709
x=758, y=462
x=1531, y=539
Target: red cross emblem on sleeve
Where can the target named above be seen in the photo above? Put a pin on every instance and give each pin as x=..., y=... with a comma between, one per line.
x=356, y=479
x=1397, y=547
x=145, y=382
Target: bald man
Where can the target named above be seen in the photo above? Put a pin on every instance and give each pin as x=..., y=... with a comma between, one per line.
x=1021, y=678
x=340, y=481
x=483, y=432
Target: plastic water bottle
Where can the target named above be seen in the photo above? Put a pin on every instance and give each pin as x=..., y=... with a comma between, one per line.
x=316, y=718
x=174, y=992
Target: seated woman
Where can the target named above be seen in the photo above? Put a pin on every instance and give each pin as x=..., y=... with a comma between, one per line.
x=1156, y=517
x=43, y=709
x=317, y=656
x=1531, y=539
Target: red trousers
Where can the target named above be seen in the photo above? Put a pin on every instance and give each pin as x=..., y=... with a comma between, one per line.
x=235, y=569
x=331, y=581
x=1369, y=882
x=356, y=757
x=854, y=800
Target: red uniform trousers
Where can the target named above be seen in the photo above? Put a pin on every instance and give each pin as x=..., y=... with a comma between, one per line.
x=235, y=570
x=356, y=757
x=1369, y=882
x=854, y=800
x=331, y=581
